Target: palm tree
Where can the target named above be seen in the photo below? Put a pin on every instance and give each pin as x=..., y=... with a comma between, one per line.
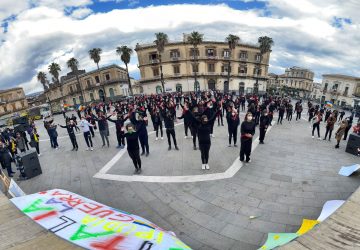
x=233, y=41
x=195, y=39
x=41, y=76
x=95, y=55
x=54, y=69
x=73, y=64
x=125, y=54
x=161, y=41
x=265, y=44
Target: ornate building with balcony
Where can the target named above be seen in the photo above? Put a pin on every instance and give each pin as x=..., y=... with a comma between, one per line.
x=107, y=83
x=341, y=90
x=296, y=81
x=209, y=62
x=12, y=100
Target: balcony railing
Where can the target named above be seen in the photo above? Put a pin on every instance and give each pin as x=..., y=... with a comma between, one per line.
x=211, y=73
x=226, y=57
x=154, y=61
x=211, y=57
x=243, y=59
x=242, y=74
x=175, y=58
x=224, y=73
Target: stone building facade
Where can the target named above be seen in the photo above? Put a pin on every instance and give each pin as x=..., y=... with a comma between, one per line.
x=341, y=90
x=295, y=81
x=209, y=61
x=107, y=83
x=12, y=100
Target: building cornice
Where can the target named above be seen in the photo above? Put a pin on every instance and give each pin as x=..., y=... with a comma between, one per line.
x=140, y=47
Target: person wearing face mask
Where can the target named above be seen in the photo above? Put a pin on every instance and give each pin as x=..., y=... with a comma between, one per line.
x=5, y=159
x=85, y=125
x=247, y=132
x=132, y=141
x=204, y=131
x=264, y=124
x=158, y=124
x=119, y=125
x=233, y=120
x=103, y=128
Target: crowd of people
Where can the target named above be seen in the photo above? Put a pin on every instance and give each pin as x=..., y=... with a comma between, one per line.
x=199, y=112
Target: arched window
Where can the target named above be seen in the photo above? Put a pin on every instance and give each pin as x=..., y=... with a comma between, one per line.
x=101, y=95
x=178, y=87
x=158, y=89
x=111, y=91
x=211, y=84
x=241, y=88
x=92, y=96
x=196, y=86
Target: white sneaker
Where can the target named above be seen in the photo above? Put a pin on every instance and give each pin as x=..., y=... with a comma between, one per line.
x=207, y=166
x=156, y=139
x=57, y=148
x=312, y=137
x=185, y=137
x=39, y=154
x=213, y=136
x=87, y=149
x=162, y=138
x=192, y=137
x=91, y=148
x=203, y=166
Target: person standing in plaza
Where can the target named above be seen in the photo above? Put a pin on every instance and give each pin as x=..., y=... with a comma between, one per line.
x=340, y=132
x=193, y=126
x=289, y=112
x=53, y=135
x=5, y=159
x=141, y=130
x=349, y=124
x=85, y=125
x=247, y=133
x=70, y=129
x=233, y=121
x=20, y=142
x=132, y=141
x=187, y=119
x=103, y=128
x=299, y=109
x=119, y=125
x=170, y=128
x=34, y=138
x=158, y=124
x=264, y=124
x=204, y=134
x=281, y=113
x=330, y=122
x=316, y=124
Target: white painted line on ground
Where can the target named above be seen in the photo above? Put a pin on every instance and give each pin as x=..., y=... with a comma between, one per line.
x=229, y=173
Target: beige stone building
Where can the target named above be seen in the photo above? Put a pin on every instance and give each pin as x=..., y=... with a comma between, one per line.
x=12, y=100
x=296, y=81
x=341, y=90
x=107, y=83
x=209, y=61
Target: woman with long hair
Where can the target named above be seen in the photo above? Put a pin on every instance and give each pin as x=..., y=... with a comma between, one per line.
x=247, y=133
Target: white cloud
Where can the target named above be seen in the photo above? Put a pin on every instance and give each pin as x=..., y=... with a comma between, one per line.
x=81, y=13
x=305, y=38
x=11, y=7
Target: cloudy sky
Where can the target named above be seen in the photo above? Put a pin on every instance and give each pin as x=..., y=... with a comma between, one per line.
x=323, y=35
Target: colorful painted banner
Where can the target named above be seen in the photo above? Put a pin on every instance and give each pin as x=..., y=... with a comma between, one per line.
x=329, y=208
x=278, y=239
x=306, y=226
x=93, y=225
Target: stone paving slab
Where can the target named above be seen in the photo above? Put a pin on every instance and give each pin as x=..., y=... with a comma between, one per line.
x=213, y=214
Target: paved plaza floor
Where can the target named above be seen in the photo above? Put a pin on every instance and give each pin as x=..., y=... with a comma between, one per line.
x=289, y=178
